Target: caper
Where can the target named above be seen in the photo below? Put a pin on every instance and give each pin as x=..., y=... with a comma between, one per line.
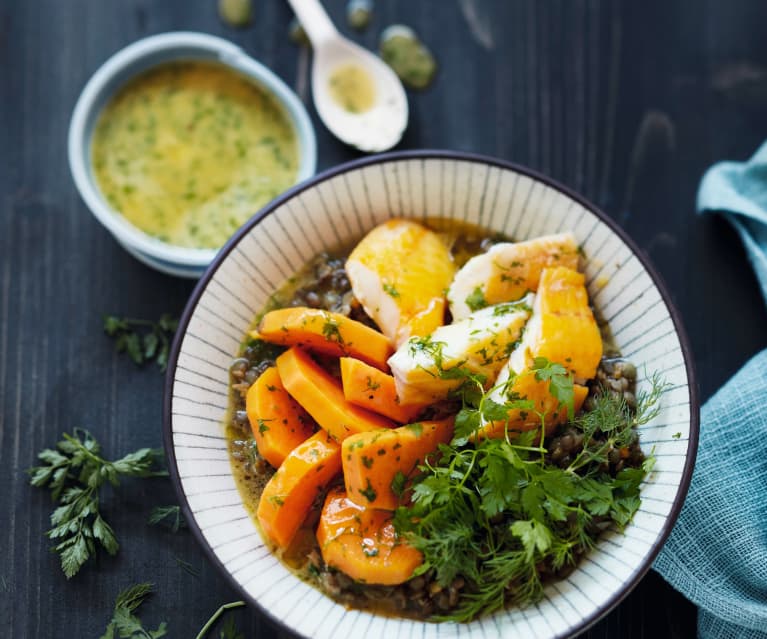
x=297, y=34
x=235, y=13
x=359, y=13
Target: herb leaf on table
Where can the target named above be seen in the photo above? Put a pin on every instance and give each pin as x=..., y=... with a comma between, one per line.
x=168, y=516
x=74, y=472
x=142, y=340
x=124, y=623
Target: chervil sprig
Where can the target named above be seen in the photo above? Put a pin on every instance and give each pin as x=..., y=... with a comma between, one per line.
x=125, y=624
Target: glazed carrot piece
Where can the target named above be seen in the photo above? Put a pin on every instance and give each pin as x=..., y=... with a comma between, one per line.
x=278, y=421
x=362, y=543
x=370, y=388
x=324, y=332
x=289, y=494
x=375, y=464
x=527, y=387
x=322, y=396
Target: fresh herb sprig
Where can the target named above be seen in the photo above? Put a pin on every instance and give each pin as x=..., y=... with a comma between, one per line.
x=168, y=516
x=229, y=630
x=74, y=472
x=142, y=340
x=125, y=624
x=496, y=514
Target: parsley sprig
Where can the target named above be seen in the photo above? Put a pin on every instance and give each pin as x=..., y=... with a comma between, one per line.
x=74, y=472
x=495, y=512
x=142, y=340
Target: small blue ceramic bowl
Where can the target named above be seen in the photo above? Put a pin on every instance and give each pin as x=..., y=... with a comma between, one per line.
x=111, y=76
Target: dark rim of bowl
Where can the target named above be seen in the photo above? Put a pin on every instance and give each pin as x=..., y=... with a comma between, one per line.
x=692, y=445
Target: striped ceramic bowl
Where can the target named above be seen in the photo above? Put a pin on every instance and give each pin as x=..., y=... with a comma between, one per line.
x=336, y=208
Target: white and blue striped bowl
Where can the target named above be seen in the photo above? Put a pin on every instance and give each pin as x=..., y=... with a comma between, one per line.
x=336, y=208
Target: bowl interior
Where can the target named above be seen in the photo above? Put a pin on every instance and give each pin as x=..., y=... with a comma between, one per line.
x=127, y=64
x=336, y=209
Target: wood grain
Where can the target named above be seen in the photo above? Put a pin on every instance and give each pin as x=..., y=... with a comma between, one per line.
x=563, y=86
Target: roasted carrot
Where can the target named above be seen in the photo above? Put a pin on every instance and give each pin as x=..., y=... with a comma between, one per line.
x=324, y=332
x=279, y=423
x=289, y=494
x=322, y=396
x=376, y=463
x=370, y=388
x=362, y=542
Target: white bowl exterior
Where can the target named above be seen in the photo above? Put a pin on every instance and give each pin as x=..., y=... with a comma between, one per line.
x=125, y=64
x=338, y=211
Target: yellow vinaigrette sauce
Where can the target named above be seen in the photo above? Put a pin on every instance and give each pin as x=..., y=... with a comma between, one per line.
x=352, y=88
x=188, y=151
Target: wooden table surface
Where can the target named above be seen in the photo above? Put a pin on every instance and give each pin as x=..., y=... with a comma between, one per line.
x=626, y=102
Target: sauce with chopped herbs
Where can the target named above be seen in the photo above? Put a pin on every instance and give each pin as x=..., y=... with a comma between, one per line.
x=188, y=151
x=352, y=88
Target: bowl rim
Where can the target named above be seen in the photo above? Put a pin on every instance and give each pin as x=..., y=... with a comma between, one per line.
x=128, y=60
x=465, y=156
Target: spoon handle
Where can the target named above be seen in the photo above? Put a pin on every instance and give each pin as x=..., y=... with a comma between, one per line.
x=314, y=20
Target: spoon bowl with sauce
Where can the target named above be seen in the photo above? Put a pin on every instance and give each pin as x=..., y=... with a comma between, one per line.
x=357, y=95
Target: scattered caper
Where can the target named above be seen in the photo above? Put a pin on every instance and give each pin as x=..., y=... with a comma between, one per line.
x=235, y=13
x=359, y=13
x=297, y=34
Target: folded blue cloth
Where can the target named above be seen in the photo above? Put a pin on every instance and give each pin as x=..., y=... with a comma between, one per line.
x=739, y=191
x=716, y=555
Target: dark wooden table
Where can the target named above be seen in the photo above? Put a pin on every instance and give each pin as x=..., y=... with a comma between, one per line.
x=627, y=103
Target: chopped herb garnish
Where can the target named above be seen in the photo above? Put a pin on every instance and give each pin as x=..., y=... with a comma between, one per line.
x=369, y=492
x=390, y=290
x=416, y=428
x=476, y=300
x=332, y=331
x=262, y=427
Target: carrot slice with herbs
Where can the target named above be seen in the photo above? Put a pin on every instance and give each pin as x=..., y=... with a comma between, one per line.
x=376, y=464
x=370, y=388
x=526, y=386
x=289, y=494
x=278, y=422
x=324, y=332
x=362, y=542
x=322, y=396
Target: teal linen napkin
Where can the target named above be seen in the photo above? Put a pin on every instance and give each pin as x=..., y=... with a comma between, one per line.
x=739, y=191
x=716, y=555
